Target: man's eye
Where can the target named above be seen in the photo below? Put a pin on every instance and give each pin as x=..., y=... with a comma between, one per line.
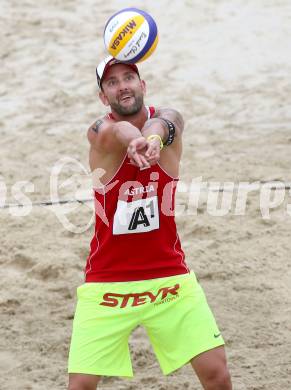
x=129, y=77
x=111, y=83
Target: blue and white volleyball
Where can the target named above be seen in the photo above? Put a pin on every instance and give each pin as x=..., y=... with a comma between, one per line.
x=131, y=35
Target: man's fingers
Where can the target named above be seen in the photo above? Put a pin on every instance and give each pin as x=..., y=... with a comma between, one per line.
x=155, y=155
x=153, y=158
x=143, y=154
x=144, y=161
x=139, y=160
x=153, y=146
x=151, y=149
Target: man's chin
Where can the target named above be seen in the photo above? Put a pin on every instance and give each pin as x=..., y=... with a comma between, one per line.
x=127, y=111
x=130, y=111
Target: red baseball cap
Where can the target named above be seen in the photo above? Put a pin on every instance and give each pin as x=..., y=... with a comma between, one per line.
x=104, y=65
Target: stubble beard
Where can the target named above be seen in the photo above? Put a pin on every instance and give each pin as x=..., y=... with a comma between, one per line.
x=130, y=110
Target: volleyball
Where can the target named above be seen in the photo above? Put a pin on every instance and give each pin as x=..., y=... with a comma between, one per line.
x=131, y=35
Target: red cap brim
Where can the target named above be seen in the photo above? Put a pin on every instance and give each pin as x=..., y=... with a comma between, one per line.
x=102, y=69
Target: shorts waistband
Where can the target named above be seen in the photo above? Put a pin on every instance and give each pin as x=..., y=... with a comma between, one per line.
x=134, y=286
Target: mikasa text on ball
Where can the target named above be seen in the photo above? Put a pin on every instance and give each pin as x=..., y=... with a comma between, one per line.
x=131, y=35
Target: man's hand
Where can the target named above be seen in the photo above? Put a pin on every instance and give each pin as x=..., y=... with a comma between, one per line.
x=153, y=152
x=143, y=153
x=136, y=151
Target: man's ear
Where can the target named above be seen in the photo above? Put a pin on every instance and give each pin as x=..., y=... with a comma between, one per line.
x=144, y=87
x=103, y=98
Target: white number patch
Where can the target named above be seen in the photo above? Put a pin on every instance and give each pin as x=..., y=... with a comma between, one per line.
x=139, y=216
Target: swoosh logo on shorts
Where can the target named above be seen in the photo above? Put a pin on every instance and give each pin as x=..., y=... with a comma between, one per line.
x=217, y=335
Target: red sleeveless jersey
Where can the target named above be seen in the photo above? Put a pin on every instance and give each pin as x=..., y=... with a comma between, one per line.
x=135, y=233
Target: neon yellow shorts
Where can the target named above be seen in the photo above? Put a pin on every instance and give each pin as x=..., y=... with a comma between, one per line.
x=173, y=311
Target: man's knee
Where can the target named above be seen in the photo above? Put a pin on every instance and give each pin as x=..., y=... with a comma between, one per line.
x=211, y=368
x=218, y=379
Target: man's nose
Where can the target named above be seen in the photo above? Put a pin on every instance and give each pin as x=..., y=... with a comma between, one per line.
x=123, y=85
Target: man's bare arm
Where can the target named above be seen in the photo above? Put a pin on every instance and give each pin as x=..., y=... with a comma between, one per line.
x=109, y=136
x=158, y=126
x=106, y=136
x=156, y=130
x=174, y=116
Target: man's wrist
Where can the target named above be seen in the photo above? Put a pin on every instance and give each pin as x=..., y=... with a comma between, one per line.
x=154, y=126
x=171, y=131
x=156, y=137
x=162, y=127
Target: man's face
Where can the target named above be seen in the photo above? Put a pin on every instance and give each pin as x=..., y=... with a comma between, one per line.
x=122, y=90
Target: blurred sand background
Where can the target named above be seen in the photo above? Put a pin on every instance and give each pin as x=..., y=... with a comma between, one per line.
x=226, y=66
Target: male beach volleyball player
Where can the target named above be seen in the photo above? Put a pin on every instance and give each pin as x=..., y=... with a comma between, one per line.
x=136, y=273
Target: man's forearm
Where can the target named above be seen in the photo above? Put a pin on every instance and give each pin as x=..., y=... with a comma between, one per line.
x=125, y=132
x=154, y=126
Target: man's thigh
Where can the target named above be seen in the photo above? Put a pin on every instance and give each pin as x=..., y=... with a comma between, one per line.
x=99, y=343
x=181, y=326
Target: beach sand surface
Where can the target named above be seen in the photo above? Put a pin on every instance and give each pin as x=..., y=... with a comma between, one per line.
x=226, y=66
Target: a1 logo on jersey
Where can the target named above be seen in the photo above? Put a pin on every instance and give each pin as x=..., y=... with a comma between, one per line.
x=139, y=216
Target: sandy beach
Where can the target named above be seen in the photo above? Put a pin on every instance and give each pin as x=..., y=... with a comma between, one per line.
x=226, y=67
